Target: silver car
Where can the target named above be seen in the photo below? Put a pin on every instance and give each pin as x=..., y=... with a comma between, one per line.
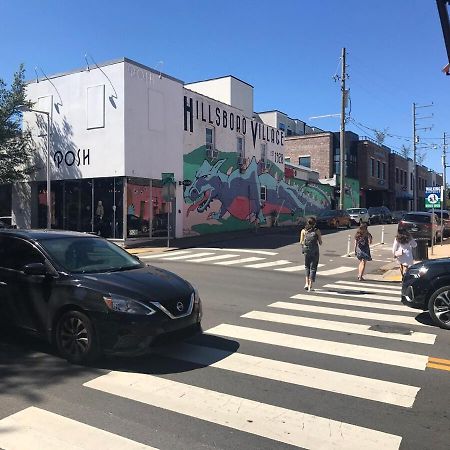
x=359, y=215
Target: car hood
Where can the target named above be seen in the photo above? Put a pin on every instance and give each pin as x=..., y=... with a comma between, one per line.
x=146, y=284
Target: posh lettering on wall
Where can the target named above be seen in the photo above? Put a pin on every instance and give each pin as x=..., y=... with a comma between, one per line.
x=219, y=117
x=72, y=158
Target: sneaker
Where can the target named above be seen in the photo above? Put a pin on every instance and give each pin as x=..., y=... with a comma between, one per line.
x=306, y=287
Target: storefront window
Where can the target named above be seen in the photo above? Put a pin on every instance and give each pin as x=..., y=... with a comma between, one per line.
x=138, y=207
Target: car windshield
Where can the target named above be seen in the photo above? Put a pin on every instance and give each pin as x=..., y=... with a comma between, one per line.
x=327, y=213
x=419, y=218
x=355, y=210
x=88, y=255
x=374, y=210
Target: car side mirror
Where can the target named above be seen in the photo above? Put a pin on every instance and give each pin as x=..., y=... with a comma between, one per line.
x=35, y=269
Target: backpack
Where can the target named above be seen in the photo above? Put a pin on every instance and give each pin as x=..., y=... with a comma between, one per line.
x=310, y=241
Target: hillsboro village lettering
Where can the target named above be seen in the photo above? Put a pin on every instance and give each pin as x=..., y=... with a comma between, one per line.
x=219, y=117
x=72, y=158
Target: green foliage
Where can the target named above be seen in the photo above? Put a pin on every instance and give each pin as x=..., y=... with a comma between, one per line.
x=16, y=156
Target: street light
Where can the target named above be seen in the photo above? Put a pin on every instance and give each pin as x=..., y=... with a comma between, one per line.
x=24, y=108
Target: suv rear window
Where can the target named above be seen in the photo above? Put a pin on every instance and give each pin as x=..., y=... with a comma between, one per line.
x=419, y=218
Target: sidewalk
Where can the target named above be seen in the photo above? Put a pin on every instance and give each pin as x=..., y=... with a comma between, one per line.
x=392, y=271
x=160, y=246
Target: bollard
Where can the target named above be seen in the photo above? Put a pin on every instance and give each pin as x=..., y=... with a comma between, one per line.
x=348, y=245
x=382, y=234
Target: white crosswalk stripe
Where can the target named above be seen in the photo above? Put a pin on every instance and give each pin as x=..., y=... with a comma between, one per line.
x=35, y=428
x=280, y=424
x=349, y=313
x=212, y=258
x=363, y=353
x=371, y=285
x=350, y=302
x=241, y=250
x=395, y=298
x=344, y=327
x=356, y=386
x=348, y=287
x=165, y=254
x=190, y=256
x=280, y=262
x=336, y=271
x=239, y=261
x=295, y=268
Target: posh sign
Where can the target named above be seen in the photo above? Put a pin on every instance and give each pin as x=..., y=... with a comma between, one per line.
x=220, y=117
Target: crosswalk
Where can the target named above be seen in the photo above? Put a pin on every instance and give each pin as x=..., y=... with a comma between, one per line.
x=236, y=257
x=326, y=332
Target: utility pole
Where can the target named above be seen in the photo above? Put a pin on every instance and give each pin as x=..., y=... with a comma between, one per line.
x=342, y=133
x=444, y=181
x=415, y=118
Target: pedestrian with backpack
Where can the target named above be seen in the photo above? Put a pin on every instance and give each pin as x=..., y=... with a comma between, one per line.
x=310, y=239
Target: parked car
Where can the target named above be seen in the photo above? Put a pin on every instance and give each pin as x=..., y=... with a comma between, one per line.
x=333, y=218
x=359, y=215
x=88, y=296
x=426, y=286
x=379, y=214
x=445, y=220
x=397, y=216
x=422, y=225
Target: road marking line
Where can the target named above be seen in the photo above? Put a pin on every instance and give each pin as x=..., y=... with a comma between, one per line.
x=213, y=258
x=439, y=361
x=191, y=255
x=165, y=254
x=273, y=422
x=295, y=268
x=256, y=252
x=359, y=295
x=345, y=384
x=348, y=313
x=336, y=271
x=238, y=261
x=34, y=428
x=438, y=366
x=344, y=327
x=360, y=288
x=279, y=262
x=360, y=352
x=376, y=285
x=359, y=303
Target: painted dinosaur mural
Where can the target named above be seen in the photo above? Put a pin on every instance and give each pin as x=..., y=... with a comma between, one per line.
x=224, y=196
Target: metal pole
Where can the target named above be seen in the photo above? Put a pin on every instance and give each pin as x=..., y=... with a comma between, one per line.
x=168, y=224
x=443, y=193
x=342, y=133
x=382, y=234
x=49, y=197
x=414, y=186
x=432, y=223
x=348, y=245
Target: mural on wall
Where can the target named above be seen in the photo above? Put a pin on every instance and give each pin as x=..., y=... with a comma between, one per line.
x=224, y=196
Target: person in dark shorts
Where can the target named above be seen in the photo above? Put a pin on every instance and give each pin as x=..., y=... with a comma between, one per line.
x=363, y=240
x=310, y=239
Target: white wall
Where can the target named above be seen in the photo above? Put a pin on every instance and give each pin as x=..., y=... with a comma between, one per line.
x=154, y=127
x=86, y=142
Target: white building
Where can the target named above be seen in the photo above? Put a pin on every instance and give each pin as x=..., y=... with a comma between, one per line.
x=117, y=127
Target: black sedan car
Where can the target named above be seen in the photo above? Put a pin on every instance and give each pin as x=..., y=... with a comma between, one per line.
x=426, y=286
x=89, y=296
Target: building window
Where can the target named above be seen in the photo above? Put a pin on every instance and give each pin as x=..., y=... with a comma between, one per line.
x=263, y=193
x=305, y=161
x=289, y=132
x=209, y=138
x=372, y=167
x=240, y=146
x=397, y=175
x=383, y=172
x=263, y=152
x=378, y=169
x=282, y=126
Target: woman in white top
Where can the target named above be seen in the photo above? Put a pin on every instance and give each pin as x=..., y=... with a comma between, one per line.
x=402, y=250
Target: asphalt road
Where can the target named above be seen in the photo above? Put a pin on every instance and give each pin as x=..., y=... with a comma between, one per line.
x=341, y=367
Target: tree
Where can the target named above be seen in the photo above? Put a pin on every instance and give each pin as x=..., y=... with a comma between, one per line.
x=405, y=151
x=380, y=136
x=420, y=157
x=16, y=150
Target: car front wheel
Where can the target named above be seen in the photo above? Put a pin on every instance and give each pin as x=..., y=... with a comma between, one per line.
x=439, y=307
x=75, y=337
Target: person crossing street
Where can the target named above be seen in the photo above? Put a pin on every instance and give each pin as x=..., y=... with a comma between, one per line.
x=310, y=239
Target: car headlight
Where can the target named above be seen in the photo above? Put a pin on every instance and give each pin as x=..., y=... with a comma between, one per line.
x=418, y=272
x=196, y=296
x=126, y=305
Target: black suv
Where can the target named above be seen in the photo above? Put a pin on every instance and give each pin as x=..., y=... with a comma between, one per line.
x=426, y=286
x=379, y=214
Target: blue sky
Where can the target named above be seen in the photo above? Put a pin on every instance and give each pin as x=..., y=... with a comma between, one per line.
x=289, y=51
